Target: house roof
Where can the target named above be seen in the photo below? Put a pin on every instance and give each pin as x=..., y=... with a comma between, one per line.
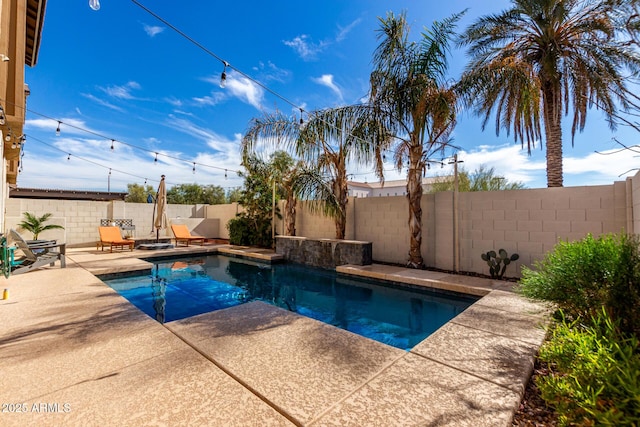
x=390, y=184
x=44, y=193
x=35, y=20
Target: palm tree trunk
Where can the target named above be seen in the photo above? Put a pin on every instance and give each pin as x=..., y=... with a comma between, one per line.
x=414, y=195
x=340, y=190
x=552, y=106
x=290, y=215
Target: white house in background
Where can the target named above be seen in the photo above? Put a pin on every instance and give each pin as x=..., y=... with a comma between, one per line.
x=389, y=188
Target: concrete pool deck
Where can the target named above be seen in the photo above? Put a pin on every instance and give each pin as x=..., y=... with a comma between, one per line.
x=73, y=352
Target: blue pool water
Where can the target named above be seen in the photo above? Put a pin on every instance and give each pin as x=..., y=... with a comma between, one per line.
x=181, y=288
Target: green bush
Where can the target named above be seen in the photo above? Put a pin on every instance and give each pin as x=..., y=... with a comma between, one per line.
x=583, y=276
x=596, y=378
x=245, y=230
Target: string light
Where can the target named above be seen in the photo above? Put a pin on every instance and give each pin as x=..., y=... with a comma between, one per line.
x=301, y=119
x=112, y=141
x=225, y=174
x=69, y=157
x=58, y=128
x=194, y=167
x=223, y=76
x=156, y=159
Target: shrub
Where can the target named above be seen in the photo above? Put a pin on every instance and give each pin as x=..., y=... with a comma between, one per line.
x=583, y=276
x=596, y=378
x=245, y=230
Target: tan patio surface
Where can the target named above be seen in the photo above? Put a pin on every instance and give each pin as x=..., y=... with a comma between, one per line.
x=74, y=352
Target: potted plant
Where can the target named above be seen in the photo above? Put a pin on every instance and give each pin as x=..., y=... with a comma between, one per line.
x=36, y=225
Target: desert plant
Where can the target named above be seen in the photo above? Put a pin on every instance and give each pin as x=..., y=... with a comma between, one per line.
x=583, y=276
x=35, y=224
x=596, y=373
x=498, y=262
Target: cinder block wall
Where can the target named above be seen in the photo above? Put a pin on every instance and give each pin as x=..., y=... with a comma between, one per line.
x=224, y=213
x=527, y=222
x=383, y=221
x=81, y=218
x=532, y=222
x=635, y=194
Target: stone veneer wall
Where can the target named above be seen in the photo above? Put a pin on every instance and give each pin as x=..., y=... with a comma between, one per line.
x=325, y=253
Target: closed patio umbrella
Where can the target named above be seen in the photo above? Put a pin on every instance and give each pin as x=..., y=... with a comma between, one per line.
x=160, y=220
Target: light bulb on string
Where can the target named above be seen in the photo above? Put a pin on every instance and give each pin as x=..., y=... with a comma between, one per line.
x=58, y=128
x=69, y=157
x=225, y=174
x=223, y=76
x=94, y=4
x=112, y=141
x=194, y=167
x=156, y=159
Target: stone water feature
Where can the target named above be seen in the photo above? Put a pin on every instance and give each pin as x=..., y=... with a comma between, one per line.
x=324, y=253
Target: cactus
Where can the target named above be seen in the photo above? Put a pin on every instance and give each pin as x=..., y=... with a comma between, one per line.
x=498, y=262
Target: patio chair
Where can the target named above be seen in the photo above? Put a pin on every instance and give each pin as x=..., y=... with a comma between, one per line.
x=110, y=236
x=182, y=234
x=35, y=257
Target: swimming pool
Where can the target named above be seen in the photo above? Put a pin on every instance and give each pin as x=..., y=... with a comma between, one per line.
x=184, y=287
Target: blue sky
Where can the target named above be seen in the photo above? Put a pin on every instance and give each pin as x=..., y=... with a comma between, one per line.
x=121, y=74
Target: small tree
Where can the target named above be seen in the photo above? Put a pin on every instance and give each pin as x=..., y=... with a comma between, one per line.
x=253, y=226
x=481, y=179
x=35, y=224
x=137, y=193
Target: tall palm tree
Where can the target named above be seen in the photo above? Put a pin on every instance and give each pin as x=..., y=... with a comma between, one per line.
x=542, y=58
x=412, y=99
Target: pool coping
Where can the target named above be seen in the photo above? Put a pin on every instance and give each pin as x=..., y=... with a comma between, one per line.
x=493, y=342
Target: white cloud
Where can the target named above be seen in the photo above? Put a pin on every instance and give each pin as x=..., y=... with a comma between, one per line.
x=121, y=92
x=245, y=89
x=152, y=30
x=91, y=159
x=270, y=72
x=68, y=126
x=327, y=80
x=305, y=48
x=344, y=31
x=102, y=102
x=210, y=100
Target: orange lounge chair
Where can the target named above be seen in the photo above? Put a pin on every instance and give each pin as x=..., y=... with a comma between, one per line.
x=111, y=236
x=182, y=234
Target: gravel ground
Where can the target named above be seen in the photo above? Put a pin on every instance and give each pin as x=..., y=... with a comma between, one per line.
x=533, y=412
